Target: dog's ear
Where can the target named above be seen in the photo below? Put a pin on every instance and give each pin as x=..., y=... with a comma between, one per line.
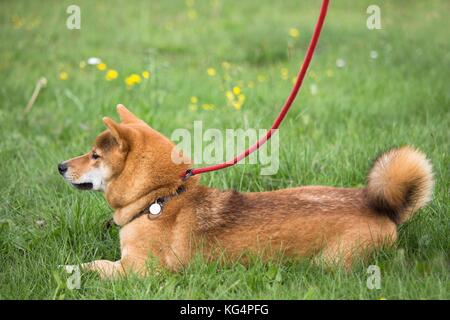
x=119, y=133
x=125, y=115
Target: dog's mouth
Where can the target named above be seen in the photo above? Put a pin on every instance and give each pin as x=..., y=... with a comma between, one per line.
x=83, y=186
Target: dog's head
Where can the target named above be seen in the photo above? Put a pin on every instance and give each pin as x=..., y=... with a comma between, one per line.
x=127, y=161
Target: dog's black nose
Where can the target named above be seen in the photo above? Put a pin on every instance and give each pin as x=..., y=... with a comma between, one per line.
x=62, y=168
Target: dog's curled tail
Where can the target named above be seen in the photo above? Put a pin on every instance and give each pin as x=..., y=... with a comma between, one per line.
x=399, y=183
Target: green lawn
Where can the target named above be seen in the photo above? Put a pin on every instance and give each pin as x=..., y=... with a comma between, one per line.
x=342, y=119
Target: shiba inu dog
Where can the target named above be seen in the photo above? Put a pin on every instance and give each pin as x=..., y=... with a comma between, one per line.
x=165, y=216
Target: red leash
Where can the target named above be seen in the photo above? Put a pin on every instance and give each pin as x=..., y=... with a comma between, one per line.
x=286, y=106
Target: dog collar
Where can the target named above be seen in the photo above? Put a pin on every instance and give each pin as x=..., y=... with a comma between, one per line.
x=154, y=210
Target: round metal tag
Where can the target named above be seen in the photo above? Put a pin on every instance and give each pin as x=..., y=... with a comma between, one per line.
x=155, y=209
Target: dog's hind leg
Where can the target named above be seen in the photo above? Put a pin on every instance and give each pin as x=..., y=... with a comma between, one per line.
x=357, y=244
x=337, y=254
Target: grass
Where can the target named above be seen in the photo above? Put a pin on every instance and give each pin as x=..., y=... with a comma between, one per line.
x=328, y=138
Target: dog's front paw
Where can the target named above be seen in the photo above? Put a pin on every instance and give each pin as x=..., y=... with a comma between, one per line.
x=105, y=268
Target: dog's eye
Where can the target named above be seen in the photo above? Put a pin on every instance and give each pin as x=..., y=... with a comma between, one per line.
x=95, y=156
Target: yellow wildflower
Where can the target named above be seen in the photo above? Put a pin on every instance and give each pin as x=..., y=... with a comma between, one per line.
x=241, y=98
x=136, y=78
x=194, y=99
x=111, y=75
x=229, y=95
x=133, y=79
x=237, y=105
x=63, y=75
x=208, y=106
x=294, y=32
x=146, y=74
x=101, y=66
x=211, y=72
x=236, y=90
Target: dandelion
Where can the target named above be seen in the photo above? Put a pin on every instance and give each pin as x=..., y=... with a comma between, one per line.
x=82, y=64
x=373, y=54
x=208, y=106
x=136, y=78
x=193, y=105
x=192, y=14
x=93, y=61
x=294, y=32
x=235, y=98
x=194, y=100
x=101, y=66
x=211, y=72
x=340, y=63
x=111, y=75
x=40, y=223
x=132, y=79
x=146, y=74
x=237, y=105
x=63, y=75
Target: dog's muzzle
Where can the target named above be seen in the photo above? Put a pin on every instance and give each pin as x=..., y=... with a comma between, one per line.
x=62, y=169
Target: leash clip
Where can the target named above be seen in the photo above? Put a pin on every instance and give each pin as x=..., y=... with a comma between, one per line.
x=187, y=175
